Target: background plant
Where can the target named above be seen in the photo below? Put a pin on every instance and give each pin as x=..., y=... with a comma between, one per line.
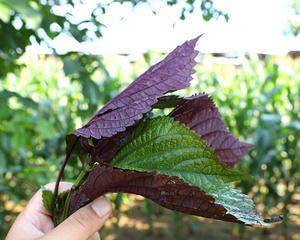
x=33, y=124
x=42, y=98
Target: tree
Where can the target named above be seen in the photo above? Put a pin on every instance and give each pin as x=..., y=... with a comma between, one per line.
x=294, y=22
x=39, y=21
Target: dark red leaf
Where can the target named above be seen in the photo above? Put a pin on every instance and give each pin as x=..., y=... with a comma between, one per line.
x=167, y=191
x=78, y=199
x=172, y=73
x=200, y=114
x=106, y=148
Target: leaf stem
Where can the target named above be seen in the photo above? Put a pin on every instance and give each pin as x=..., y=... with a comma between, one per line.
x=77, y=183
x=62, y=168
x=66, y=206
x=80, y=178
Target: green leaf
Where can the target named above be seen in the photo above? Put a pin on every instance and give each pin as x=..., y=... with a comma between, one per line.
x=4, y=12
x=25, y=9
x=71, y=67
x=162, y=144
x=169, y=101
x=45, y=129
x=48, y=200
x=3, y=164
x=170, y=148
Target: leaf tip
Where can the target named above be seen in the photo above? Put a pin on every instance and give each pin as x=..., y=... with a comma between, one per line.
x=273, y=220
x=195, y=40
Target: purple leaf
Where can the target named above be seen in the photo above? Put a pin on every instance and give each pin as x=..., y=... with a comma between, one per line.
x=172, y=73
x=106, y=148
x=168, y=191
x=200, y=114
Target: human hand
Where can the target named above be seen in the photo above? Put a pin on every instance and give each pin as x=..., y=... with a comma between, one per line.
x=35, y=221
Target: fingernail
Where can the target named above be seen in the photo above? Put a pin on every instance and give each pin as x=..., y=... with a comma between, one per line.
x=101, y=207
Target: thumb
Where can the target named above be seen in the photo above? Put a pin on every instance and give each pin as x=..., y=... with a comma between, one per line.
x=83, y=223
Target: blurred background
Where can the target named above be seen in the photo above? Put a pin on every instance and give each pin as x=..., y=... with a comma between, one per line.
x=60, y=60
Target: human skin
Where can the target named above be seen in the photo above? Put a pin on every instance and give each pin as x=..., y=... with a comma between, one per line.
x=35, y=222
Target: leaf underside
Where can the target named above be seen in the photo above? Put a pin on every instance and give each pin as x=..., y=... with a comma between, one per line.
x=106, y=148
x=200, y=114
x=172, y=73
x=167, y=191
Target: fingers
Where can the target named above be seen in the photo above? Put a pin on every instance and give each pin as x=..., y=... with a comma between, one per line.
x=35, y=205
x=83, y=223
x=35, y=220
x=35, y=211
x=96, y=236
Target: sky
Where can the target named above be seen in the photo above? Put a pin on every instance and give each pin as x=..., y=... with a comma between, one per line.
x=253, y=26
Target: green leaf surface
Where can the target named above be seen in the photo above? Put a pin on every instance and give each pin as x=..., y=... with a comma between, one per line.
x=170, y=148
x=48, y=200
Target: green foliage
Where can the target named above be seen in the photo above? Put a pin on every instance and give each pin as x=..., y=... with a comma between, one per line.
x=38, y=107
x=48, y=199
x=166, y=146
x=259, y=100
x=23, y=23
x=170, y=148
x=294, y=21
x=207, y=7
